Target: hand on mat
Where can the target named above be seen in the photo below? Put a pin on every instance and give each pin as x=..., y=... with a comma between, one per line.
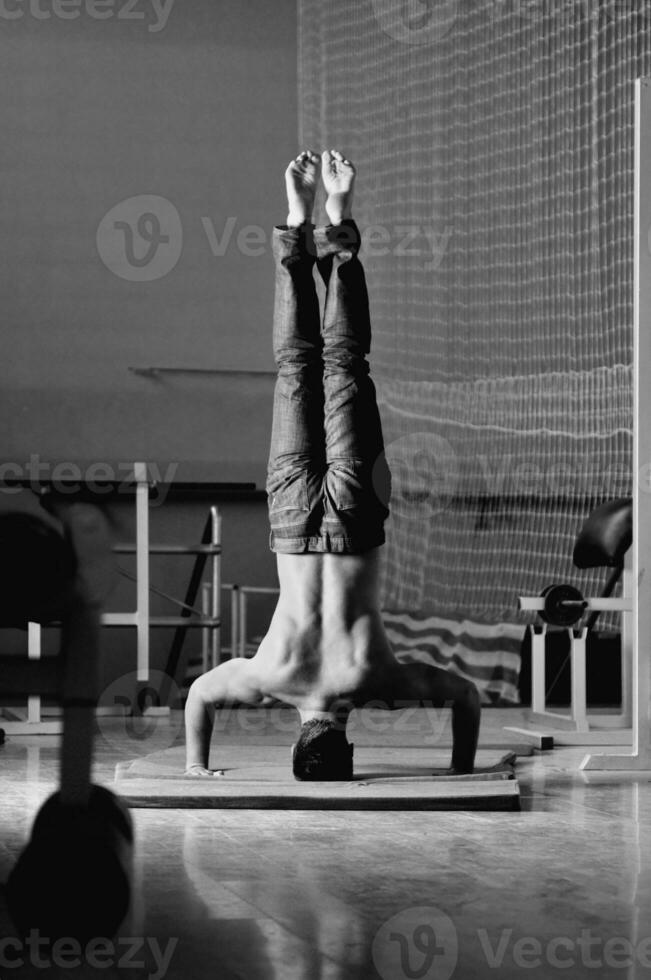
x=200, y=771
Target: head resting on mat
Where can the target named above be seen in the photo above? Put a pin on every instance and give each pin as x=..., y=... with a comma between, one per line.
x=322, y=752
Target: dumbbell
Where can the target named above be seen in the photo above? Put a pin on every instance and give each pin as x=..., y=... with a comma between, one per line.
x=564, y=605
x=74, y=877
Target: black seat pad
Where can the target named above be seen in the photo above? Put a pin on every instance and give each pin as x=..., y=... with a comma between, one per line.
x=606, y=536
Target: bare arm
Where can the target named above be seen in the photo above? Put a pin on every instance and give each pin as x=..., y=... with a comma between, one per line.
x=230, y=683
x=439, y=688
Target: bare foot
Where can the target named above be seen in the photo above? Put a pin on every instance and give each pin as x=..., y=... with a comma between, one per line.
x=338, y=179
x=200, y=771
x=301, y=179
x=506, y=765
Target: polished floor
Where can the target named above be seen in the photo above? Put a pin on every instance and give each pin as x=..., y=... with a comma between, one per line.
x=562, y=888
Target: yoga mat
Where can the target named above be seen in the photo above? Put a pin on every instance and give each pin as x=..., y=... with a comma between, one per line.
x=260, y=777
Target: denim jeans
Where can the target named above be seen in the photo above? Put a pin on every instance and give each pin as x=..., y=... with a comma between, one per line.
x=328, y=482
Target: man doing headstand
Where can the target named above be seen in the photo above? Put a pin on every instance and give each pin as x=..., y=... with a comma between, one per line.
x=326, y=650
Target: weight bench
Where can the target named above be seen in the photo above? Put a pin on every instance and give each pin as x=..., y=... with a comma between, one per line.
x=603, y=542
x=73, y=878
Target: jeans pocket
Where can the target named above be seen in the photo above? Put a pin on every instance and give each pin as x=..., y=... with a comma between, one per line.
x=346, y=488
x=359, y=490
x=288, y=493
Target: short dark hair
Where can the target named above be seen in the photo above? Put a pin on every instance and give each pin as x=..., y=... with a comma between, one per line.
x=322, y=752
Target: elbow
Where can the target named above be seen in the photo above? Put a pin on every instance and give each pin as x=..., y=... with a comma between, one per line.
x=197, y=692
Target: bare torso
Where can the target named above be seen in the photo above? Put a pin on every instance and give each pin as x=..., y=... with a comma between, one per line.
x=326, y=639
x=326, y=652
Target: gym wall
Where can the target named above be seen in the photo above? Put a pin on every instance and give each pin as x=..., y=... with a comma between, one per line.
x=118, y=133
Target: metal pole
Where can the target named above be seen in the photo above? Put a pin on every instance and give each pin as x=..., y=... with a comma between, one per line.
x=206, y=631
x=538, y=644
x=34, y=653
x=142, y=569
x=579, y=706
x=215, y=633
x=626, y=645
x=235, y=621
x=243, y=601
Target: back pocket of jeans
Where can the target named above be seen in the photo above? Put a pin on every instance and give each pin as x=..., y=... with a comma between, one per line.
x=346, y=488
x=288, y=493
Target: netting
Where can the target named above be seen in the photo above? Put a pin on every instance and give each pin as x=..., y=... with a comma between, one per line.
x=494, y=144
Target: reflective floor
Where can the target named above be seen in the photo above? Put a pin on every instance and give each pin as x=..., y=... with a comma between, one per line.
x=562, y=888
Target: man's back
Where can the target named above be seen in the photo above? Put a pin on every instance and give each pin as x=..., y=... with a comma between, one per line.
x=326, y=639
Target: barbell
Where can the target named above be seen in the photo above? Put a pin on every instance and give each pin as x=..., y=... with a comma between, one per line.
x=564, y=605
